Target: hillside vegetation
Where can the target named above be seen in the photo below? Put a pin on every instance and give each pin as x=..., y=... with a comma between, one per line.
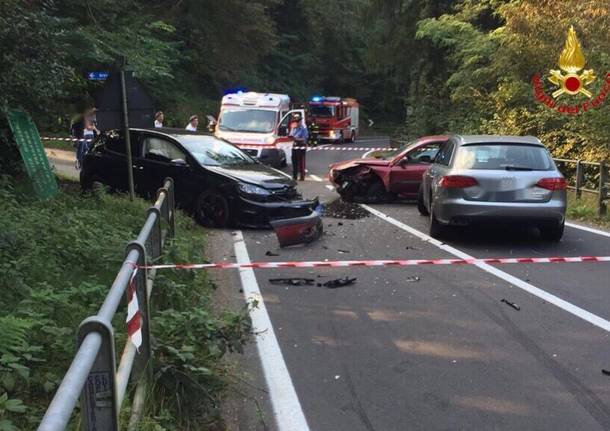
x=422, y=66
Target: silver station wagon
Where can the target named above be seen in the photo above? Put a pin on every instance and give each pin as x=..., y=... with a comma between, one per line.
x=494, y=179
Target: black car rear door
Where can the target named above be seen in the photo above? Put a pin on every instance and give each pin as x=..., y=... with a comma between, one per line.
x=160, y=157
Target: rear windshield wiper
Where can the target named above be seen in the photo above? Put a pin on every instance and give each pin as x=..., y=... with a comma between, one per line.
x=517, y=168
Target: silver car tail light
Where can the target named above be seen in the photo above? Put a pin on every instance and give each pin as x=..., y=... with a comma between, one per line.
x=552, y=183
x=457, y=182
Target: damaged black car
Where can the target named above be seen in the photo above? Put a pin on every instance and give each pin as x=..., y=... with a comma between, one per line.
x=216, y=181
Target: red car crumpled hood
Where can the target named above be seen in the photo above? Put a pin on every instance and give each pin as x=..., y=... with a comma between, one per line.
x=360, y=162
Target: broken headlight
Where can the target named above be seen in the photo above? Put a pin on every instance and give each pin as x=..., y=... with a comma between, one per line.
x=251, y=189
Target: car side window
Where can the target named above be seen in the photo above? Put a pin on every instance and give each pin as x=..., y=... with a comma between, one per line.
x=424, y=154
x=443, y=157
x=155, y=148
x=112, y=142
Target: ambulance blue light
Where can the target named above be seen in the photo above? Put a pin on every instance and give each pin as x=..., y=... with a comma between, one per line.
x=316, y=99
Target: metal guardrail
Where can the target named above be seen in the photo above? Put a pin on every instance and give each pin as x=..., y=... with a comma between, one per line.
x=599, y=171
x=93, y=375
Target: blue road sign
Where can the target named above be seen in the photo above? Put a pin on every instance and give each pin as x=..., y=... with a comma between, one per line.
x=97, y=76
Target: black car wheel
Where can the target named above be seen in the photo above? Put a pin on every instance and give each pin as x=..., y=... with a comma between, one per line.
x=421, y=206
x=212, y=209
x=552, y=233
x=376, y=193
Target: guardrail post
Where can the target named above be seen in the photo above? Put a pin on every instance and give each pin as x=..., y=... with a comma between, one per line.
x=156, y=240
x=99, y=410
x=579, y=179
x=143, y=353
x=603, y=177
x=171, y=207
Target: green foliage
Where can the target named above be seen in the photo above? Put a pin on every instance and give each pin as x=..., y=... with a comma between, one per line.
x=58, y=259
x=495, y=47
x=191, y=340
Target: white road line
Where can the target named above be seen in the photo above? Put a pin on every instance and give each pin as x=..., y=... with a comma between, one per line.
x=588, y=229
x=542, y=294
x=315, y=177
x=329, y=187
x=287, y=409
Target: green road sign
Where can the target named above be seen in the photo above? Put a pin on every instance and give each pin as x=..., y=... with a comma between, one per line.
x=33, y=155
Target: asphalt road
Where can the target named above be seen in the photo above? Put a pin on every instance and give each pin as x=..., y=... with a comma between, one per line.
x=430, y=347
x=427, y=347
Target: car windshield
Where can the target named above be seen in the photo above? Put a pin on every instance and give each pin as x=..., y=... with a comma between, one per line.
x=211, y=151
x=247, y=120
x=517, y=157
x=321, y=111
x=390, y=154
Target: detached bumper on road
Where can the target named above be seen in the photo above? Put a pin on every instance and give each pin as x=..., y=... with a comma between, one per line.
x=300, y=230
x=462, y=212
x=260, y=214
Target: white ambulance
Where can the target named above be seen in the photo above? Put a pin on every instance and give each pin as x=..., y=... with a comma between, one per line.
x=258, y=123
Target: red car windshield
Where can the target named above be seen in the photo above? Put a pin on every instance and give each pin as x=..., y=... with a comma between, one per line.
x=390, y=154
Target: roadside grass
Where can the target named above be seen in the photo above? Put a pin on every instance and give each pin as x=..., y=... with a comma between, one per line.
x=58, y=259
x=585, y=209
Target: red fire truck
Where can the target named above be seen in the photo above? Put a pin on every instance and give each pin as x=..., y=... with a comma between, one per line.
x=334, y=118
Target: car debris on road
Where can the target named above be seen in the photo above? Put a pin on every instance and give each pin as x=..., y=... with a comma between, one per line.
x=299, y=230
x=293, y=281
x=300, y=281
x=510, y=304
x=339, y=282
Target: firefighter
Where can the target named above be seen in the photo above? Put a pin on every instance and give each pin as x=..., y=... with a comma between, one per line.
x=314, y=132
x=299, y=133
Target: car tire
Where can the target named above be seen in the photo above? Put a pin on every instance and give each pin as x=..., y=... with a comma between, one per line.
x=421, y=206
x=376, y=193
x=552, y=233
x=435, y=228
x=212, y=209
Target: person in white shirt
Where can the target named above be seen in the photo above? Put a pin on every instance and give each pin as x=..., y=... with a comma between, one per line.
x=193, y=123
x=159, y=118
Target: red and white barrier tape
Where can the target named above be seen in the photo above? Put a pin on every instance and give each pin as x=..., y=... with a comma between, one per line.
x=394, y=262
x=252, y=147
x=134, y=316
x=256, y=147
x=48, y=138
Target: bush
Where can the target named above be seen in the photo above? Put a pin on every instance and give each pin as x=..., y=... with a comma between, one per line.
x=58, y=259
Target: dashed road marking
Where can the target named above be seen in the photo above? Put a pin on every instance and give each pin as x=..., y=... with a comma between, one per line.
x=287, y=409
x=315, y=178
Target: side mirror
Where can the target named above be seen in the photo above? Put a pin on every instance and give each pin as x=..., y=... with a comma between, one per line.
x=179, y=162
x=282, y=131
x=403, y=162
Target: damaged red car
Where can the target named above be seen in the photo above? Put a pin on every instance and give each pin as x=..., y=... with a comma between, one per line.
x=383, y=176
